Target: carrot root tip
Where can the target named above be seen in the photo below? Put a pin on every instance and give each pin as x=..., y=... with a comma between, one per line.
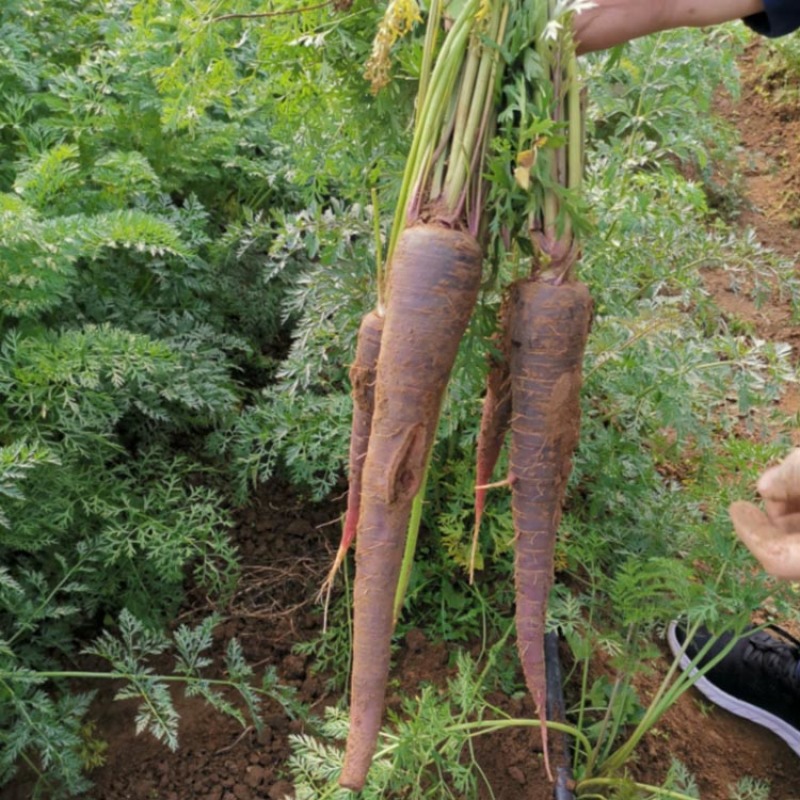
x=540, y=705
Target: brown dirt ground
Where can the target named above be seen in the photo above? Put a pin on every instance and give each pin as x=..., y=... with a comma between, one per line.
x=286, y=547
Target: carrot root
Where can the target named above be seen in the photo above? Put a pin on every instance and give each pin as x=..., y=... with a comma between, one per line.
x=362, y=381
x=432, y=290
x=495, y=421
x=549, y=328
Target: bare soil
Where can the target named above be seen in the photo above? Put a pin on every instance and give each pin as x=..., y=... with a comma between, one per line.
x=286, y=548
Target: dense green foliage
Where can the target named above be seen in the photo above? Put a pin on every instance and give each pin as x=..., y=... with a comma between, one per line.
x=174, y=192
x=186, y=247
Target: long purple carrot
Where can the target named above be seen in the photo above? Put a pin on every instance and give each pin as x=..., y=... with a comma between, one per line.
x=549, y=328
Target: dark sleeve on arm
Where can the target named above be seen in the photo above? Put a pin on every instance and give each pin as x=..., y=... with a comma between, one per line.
x=780, y=17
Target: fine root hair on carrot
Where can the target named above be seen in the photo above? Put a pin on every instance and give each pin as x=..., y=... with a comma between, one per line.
x=433, y=286
x=549, y=328
x=496, y=485
x=362, y=382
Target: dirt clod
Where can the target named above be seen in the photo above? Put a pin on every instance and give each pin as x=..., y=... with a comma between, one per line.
x=518, y=775
x=415, y=640
x=254, y=776
x=281, y=790
x=293, y=666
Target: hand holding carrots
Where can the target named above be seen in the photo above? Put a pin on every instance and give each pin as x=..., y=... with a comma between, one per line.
x=774, y=537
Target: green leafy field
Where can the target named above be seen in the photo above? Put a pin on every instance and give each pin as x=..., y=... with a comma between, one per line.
x=188, y=209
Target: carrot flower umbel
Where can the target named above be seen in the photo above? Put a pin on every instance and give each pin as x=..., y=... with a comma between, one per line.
x=398, y=19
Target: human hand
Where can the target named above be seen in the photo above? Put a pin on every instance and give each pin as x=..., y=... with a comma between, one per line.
x=774, y=537
x=606, y=23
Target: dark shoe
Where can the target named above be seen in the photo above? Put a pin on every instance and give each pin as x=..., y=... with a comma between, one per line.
x=759, y=679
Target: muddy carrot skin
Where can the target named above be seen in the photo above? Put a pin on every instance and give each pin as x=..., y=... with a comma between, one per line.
x=495, y=418
x=433, y=287
x=549, y=328
x=362, y=381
